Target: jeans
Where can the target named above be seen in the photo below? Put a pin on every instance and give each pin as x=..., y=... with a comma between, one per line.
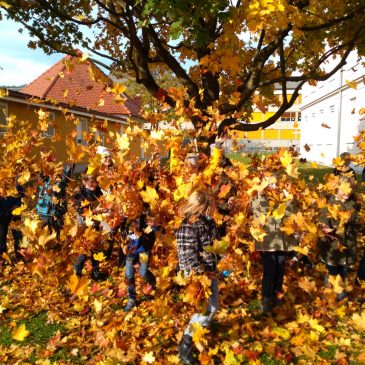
x=146, y=274
x=273, y=275
x=4, y=228
x=206, y=318
x=361, y=271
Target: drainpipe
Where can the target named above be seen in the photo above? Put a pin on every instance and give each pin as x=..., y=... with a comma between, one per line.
x=339, y=115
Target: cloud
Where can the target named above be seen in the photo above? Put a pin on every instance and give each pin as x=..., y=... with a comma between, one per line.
x=18, y=63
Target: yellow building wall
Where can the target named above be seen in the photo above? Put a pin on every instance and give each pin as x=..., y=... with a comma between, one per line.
x=62, y=127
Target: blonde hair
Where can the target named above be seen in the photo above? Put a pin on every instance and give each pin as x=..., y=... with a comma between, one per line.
x=199, y=202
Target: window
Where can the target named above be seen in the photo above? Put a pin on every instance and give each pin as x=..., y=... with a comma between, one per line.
x=288, y=117
x=3, y=118
x=51, y=129
x=81, y=129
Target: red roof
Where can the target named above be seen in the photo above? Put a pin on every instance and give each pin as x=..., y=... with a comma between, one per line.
x=81, y=84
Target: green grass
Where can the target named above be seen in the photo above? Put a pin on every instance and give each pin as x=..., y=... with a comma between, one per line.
x=40, y=331
x=306, y=169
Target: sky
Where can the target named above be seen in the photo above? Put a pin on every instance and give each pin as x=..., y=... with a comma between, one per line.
x=19, y=64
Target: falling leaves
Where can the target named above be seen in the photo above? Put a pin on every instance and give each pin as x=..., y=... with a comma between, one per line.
x=351, y=84
x=324, y=125
x=78, y=286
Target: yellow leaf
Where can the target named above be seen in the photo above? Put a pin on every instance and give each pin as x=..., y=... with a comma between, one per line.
x=24, y=177
x=315, y=325
x=149, y=195
x=101, y=102
x=199, y=333
x=122, y=141
x=19, y=210
x=99, y=256
x=97, y=306
x=280, y=211
x=118, y=88
x=352, y=84
x=180, y=279
x=78, y=286
x=257, y=233
x=219, y=247
x=143, y=257
x=282, y=333
x=149, y=358
x=286, y=159
x=359, y=321
x=84, y=57
x=20, y=333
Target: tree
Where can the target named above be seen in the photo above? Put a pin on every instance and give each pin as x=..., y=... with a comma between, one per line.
x=223, y=52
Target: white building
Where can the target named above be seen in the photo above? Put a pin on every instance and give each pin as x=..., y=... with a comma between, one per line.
x=330, y=113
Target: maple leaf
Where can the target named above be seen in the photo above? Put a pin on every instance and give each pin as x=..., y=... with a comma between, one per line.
x=20, y=333
x=78, y=286
x=99, y=256
x=150, y=195
x=280, y=211
x=219, y=247
x=257, y=233
x=97, y=306
x=324, y=125
x=122, y=141
x=307, y=148
x=19, y=210
x=199, y=333
x=149, y=358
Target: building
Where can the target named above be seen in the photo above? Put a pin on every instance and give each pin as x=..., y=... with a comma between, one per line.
x=283, y=133
x=330, y=113
x=71, y=87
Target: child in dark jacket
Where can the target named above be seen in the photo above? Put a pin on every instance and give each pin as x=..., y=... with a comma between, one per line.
x=140, y=237
x=198, y=232
x=7, y=205
x=337, y=221
x=87, y=198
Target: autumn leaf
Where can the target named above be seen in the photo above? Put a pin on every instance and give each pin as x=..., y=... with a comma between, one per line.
x=219, y=247
x=3, y=92
x=20, y=333
x=324, y=125
x=307, y=148
x=122, y=141
x=78, y=286
x=280, y=211
x=99, y=256
x=149, y=195
x=149, y=358
x=97, y=306
x=19, y=210
x=351, y=84
x=257, y=233
x=84, y=57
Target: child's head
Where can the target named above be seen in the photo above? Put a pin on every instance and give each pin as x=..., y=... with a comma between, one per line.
x=198, y=203
x=346, y=158
x=90, y=182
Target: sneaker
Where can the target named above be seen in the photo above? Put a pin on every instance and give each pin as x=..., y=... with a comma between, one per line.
x=131, y=303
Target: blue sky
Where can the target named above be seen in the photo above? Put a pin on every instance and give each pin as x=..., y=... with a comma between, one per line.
x=18, y=63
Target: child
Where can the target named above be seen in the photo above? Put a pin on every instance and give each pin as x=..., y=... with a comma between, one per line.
x=88, y=198
x=7, y=205
x=197, y=232
x=52, y=205
x=338, y=223
x=275, y=245
x=140, y=238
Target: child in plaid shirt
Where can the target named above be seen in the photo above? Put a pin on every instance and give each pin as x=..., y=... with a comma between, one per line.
x=197, y=232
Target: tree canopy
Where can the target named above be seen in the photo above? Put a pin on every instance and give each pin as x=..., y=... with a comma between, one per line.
x=227, y=55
